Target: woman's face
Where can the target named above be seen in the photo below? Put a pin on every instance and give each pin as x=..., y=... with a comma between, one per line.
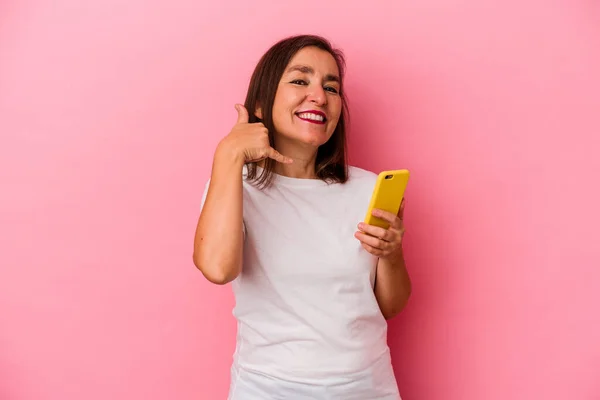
x=307, y=104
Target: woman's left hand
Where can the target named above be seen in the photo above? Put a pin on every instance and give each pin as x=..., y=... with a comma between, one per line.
x=380, y=242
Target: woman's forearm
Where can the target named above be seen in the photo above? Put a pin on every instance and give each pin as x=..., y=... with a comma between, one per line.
x=219, y=236
x=392, y=286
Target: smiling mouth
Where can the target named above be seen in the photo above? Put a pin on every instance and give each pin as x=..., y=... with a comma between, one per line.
x=315, y=118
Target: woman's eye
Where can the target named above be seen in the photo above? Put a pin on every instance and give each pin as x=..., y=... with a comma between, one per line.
x=302, y=82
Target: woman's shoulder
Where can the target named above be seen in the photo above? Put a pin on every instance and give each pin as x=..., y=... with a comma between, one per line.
x=360, y=179
x=358, y=174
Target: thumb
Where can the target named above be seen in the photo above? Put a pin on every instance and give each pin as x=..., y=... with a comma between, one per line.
x=242, y=114
x=401, y=210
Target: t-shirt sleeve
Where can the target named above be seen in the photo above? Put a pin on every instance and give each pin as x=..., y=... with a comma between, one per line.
x=206, y=186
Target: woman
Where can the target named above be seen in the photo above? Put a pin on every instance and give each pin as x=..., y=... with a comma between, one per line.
x=281, y=220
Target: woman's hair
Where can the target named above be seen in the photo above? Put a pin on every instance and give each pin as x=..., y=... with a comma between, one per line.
x=331, y=161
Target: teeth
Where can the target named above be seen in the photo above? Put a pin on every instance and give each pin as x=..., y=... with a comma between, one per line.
x=312, y=116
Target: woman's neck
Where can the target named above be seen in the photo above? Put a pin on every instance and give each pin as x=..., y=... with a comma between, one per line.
x=304, y=163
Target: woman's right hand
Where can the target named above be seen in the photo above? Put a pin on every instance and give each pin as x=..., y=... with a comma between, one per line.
x=250, y=142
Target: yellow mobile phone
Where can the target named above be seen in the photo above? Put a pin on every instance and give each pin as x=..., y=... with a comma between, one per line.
x=387, y=195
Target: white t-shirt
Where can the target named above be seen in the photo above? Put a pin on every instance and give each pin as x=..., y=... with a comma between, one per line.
x=306, y=310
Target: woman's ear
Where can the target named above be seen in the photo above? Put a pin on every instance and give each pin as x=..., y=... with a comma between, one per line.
x=258, y=112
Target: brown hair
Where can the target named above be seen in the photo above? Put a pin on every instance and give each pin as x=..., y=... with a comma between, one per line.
x=331, y=161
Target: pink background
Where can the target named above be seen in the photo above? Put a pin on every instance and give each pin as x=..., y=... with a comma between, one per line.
x=110, y=111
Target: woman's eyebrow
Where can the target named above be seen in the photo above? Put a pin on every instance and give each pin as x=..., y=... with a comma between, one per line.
x=305, y=69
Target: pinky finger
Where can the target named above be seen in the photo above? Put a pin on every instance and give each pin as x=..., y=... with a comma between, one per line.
x=371, y=249
x=277, y=156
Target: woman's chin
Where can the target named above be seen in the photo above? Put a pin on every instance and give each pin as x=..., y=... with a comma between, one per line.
x=310, y=138
x=314, y=139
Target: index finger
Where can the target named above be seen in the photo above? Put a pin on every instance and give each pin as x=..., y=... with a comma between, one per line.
x=385, y=215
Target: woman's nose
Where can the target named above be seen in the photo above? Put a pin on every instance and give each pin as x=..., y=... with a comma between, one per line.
x=317, y=96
